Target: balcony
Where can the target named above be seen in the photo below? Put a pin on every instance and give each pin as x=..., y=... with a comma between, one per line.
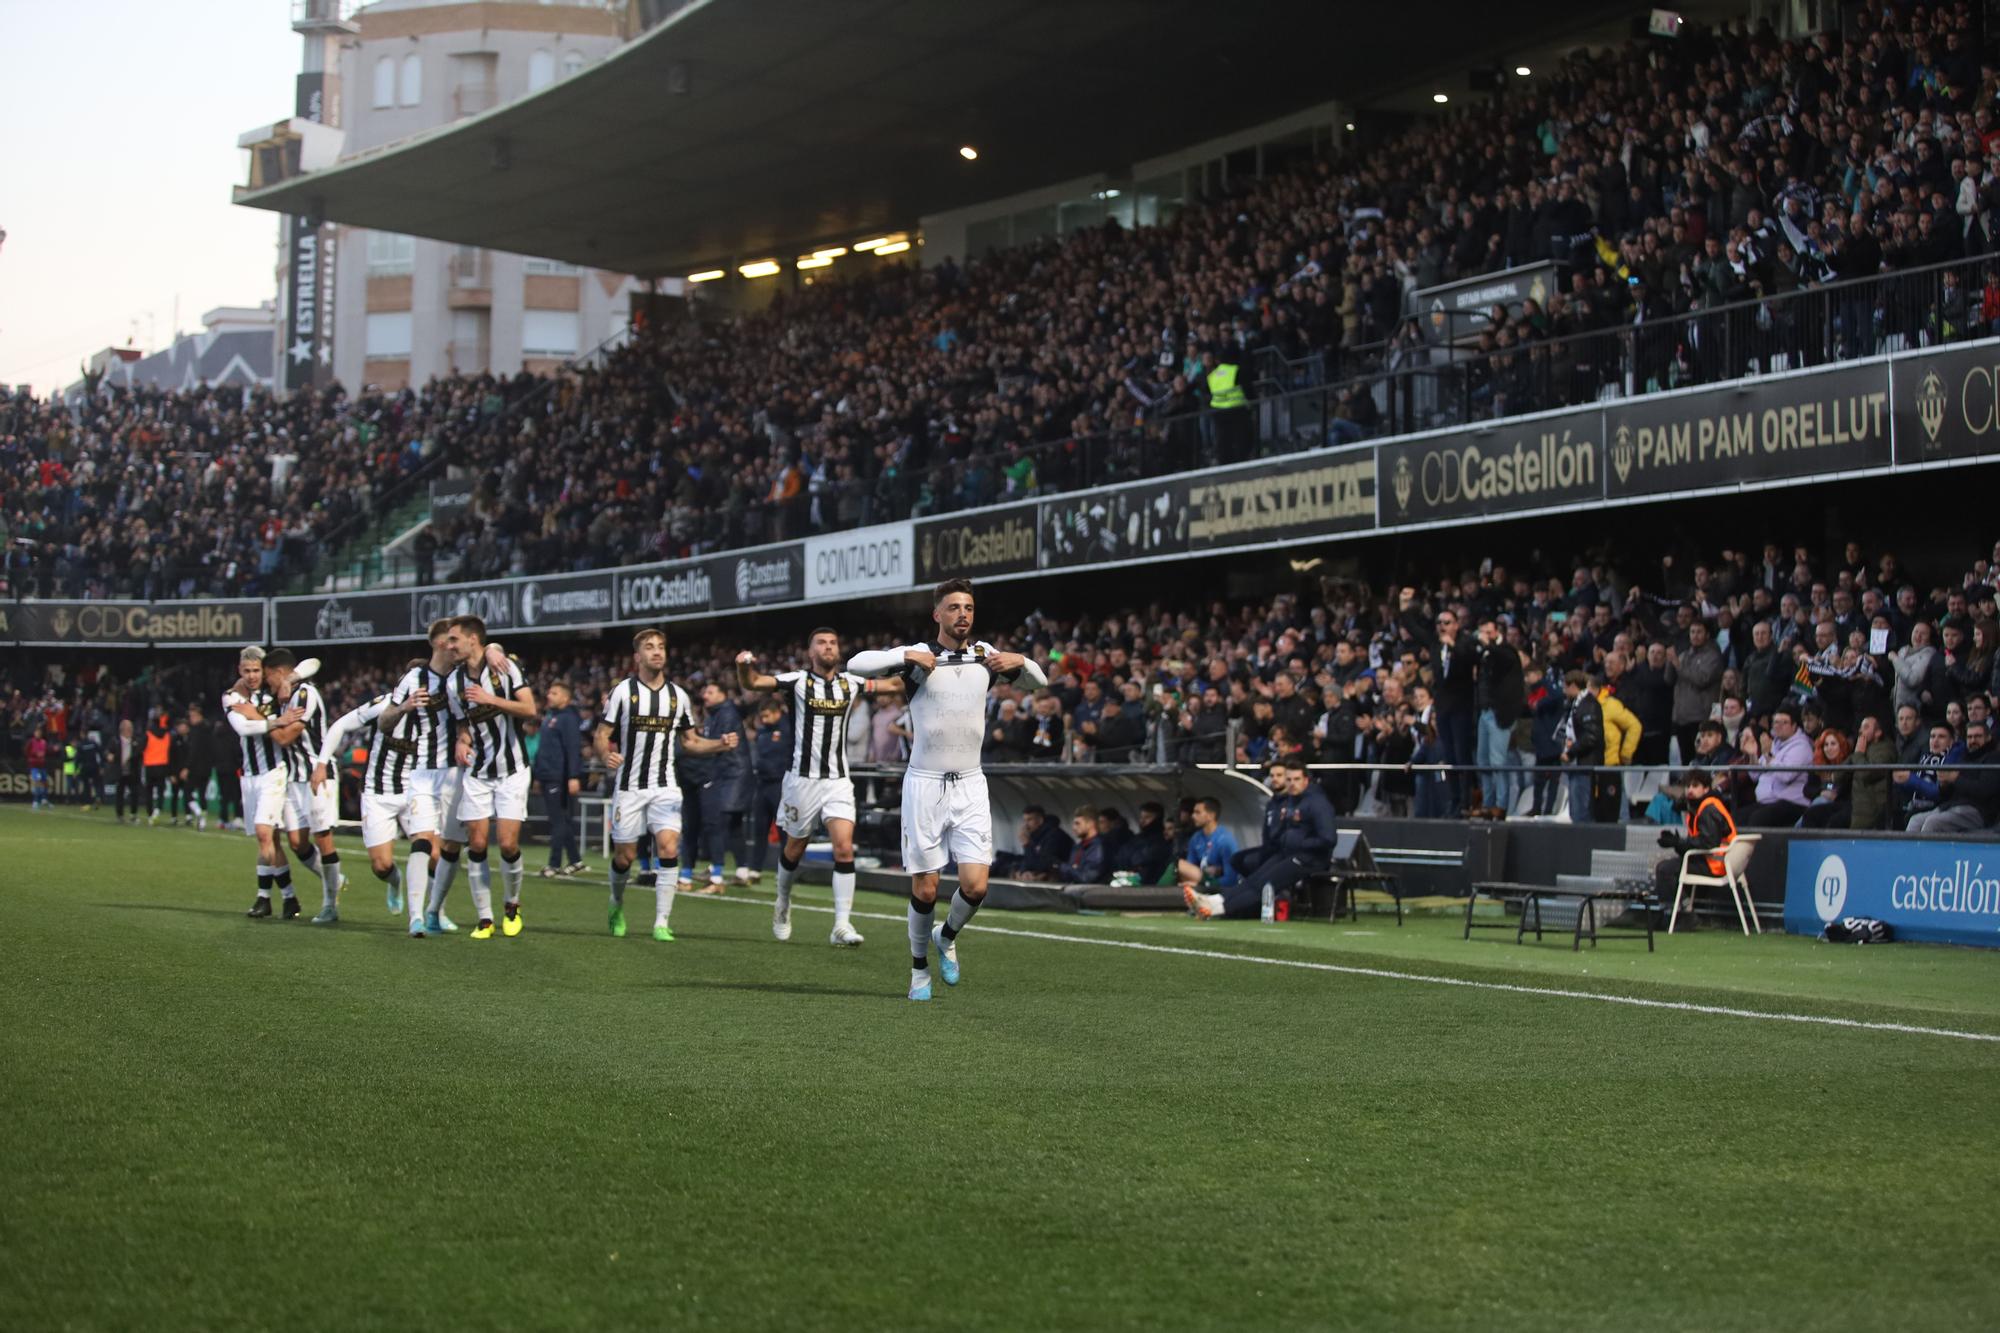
x=320, y=16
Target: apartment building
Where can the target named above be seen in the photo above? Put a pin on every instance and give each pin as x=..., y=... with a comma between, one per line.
x=406, y=308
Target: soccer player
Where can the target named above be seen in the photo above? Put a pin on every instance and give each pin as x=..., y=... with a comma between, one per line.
x=817, y=788
x=641, y=716
x=488, y=704
x=418, y=712
x=946, y=814
x=252, y=709
x=436, y=777
x=388, y=796
x=1211, y=849
x=310, y=811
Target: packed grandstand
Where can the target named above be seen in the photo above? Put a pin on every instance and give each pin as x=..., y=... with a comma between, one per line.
x=1725, y=204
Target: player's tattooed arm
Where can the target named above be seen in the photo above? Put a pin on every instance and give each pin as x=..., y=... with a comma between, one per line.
x=612, y=759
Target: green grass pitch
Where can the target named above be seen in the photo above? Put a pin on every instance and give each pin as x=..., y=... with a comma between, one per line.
x=210, y=1123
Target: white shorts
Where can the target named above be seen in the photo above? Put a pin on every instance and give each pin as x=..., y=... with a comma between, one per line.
x=943, y=815
x=808, y=801
x=314, y=812
x=386, y=818
x=434, y=802
x=264, y=800
x=493, y=798
x=635, y=813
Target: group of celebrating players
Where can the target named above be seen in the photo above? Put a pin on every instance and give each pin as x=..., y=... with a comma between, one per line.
x=447, y=770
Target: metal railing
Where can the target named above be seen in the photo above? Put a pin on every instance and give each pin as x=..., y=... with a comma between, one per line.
x=1419, y=387
x=324, y=561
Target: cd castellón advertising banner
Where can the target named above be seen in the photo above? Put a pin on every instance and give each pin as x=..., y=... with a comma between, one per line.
x=133, y=624
x=1947, y=405
x=1501, y=468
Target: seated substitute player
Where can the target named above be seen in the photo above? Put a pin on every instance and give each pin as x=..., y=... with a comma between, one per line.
x=817, y=788
x=1211, y=849
x=489, y=704
x=641, y=716
x=387, y=794
x=252, y=709
x=1299, y=834
x=946, y=813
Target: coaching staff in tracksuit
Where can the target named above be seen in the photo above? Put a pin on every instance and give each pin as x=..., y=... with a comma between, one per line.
x=558, y=771
x=1298, y=841
x=724, y=788
x=771, y=757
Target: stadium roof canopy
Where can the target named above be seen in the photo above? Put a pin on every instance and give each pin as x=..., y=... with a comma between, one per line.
x=744, y=128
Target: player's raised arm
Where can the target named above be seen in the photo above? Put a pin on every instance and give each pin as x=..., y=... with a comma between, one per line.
x=351, y=721
x=890, y=661
x=749, y=677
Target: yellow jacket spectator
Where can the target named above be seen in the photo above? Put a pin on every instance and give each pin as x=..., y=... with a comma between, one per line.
x=1621, y=728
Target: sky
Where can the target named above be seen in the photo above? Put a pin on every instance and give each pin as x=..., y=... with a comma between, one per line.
x=118, y=128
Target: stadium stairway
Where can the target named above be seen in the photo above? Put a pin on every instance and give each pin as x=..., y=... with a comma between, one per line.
x=358, y=563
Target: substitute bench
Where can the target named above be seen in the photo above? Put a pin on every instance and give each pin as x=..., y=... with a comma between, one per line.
x=1587, y=900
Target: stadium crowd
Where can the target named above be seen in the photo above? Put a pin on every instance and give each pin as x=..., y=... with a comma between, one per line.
x=1667, y=177
x=1753, y=659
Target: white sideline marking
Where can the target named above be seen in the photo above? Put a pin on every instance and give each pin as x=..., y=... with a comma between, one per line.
x=1386, y=974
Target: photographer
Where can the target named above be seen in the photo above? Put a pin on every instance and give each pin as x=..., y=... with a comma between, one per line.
x=1709, y=829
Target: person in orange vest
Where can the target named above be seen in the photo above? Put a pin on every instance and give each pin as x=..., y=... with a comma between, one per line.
x=158, y=759
x=1709, y=829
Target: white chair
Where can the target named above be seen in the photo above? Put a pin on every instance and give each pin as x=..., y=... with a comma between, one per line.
x=1735, y=861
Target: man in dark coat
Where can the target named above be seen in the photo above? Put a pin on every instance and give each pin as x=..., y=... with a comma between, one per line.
x=726, y=792
x=1583, y=741
x=558, y=771
x=1452, y=655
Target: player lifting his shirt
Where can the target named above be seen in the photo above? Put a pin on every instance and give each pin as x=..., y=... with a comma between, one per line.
x=817, y=788
x=946, y=814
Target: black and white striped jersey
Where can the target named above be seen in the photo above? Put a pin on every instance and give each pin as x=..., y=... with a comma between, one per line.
x=393, y=759
x=644, y=721
x=300, y=753
x=429, y=728
x=497, y=751
x=390, y=761
x=260, y=753
x=821, y=706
